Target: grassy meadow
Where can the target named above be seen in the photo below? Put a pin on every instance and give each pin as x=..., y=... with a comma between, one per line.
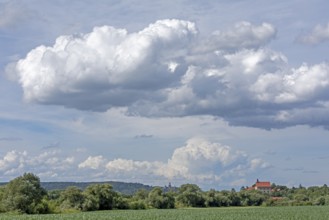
x=234, y=213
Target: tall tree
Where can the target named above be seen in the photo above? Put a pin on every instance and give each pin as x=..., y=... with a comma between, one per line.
x=24, y=194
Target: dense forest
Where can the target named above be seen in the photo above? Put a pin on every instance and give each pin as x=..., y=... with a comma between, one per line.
x=25, y=194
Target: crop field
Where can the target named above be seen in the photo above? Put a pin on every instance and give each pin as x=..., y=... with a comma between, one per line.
x=249, y=213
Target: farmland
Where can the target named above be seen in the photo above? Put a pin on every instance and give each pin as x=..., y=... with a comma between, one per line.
x=233, y=213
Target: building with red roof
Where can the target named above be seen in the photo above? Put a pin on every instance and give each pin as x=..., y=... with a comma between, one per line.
x=261, y=186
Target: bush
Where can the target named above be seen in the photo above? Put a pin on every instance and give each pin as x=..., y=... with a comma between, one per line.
x=160, y=200
x=71, y=198
x=121, y=203
x=139, y=204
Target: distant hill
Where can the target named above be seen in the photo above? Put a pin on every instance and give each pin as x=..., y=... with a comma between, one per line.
x=122, y=187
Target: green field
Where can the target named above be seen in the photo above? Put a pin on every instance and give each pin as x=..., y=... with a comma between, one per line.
x=261, y=213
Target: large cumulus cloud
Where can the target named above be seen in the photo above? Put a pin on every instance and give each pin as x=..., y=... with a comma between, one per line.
x=107, y=67
x=168, y=69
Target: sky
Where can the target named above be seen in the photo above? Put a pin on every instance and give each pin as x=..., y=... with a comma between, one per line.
x=215, y=93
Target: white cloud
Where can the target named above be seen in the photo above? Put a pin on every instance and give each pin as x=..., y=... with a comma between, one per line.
x=12, y=160
x=306, y=83
x=118, y=165
x=319, y=34
x=92, y=162
x=15, y=163
x=258, y=163
x=199, y=161
x=107, y=67
x=166, y=70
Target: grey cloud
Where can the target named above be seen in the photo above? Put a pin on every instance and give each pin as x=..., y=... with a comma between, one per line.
x=299, y=169
x=242, y=35
x=311, y=171
x=9, y=14
x=323, y=158
x=52, y=146
x=143, y=136
x=12, y=12
x=11, y=139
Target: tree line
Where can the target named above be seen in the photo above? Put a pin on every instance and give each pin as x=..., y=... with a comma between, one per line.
x=25, y=194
